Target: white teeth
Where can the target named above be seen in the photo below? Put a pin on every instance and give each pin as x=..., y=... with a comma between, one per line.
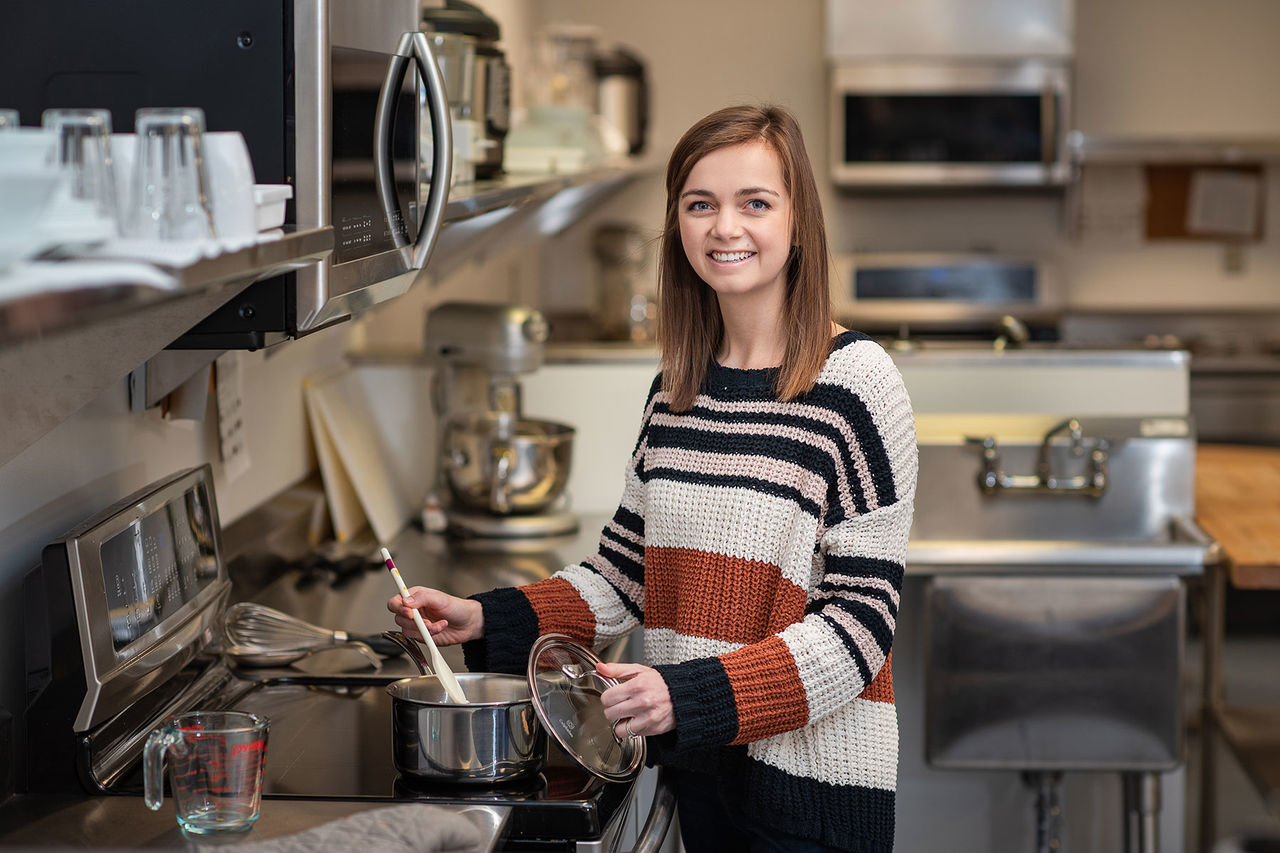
x=726, y=257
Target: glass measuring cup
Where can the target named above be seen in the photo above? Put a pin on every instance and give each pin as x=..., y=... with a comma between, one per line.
x=215, y=763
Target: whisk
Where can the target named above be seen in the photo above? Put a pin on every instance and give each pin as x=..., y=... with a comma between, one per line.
x=257, y=635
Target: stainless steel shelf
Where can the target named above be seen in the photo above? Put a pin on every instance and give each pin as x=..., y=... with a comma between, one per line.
x=62, y=348
x=519, y=190
x=492, y=216
x=1089, y=149
x=62, y=310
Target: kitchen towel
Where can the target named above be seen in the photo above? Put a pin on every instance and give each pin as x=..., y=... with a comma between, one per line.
x=411, y=828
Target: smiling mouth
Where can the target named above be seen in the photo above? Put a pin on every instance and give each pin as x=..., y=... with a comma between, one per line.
x=730, y=257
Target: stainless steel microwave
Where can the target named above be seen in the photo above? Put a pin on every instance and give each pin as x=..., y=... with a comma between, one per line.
x=949, y=123
x=336, y=97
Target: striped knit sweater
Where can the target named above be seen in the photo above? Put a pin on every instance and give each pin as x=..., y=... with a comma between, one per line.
x=761, y=545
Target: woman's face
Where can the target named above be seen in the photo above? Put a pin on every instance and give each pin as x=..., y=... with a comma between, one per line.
x=735, y=221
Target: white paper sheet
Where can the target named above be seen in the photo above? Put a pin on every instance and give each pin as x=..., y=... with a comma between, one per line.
x=1223, y=202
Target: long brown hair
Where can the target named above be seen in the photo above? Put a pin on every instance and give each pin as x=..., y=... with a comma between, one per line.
x=690, y=327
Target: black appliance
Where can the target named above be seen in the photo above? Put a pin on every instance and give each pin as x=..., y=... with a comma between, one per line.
x=322, y=91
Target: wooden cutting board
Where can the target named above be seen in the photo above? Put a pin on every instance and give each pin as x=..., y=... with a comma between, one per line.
x=1238, y=504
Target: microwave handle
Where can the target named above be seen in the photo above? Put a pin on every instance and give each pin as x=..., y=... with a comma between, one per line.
x=1048, y=126
x=415, y=46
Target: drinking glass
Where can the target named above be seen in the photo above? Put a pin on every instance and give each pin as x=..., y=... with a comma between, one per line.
x=9, y=120
x=84, y=152
x=170, y=199
x=215, y=763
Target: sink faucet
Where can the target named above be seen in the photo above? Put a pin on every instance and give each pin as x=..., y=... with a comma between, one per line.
x=991, y=479
x=1013, y=332
x=1070, y=425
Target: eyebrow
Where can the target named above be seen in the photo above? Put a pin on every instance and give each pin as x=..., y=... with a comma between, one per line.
x=739, y=194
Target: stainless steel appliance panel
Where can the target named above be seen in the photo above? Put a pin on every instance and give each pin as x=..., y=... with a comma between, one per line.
x=941, y=290
x=902, y=123
x=1054, y=673
x=145, y=576
x=362, y=172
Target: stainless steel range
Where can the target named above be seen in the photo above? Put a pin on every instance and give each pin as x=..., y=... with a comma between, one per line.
x=123, y=615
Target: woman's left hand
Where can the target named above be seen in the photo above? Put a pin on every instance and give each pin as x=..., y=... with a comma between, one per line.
x=640, y=704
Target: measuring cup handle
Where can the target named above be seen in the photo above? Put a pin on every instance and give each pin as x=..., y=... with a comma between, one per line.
x=153, y=763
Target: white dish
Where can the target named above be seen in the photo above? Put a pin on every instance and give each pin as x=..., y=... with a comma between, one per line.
x=269, y=203
x=25, y=198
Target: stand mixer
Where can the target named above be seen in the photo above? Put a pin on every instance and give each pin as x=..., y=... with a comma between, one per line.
x=504, y=473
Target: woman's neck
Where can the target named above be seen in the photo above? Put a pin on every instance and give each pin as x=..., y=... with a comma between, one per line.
x=753, y=336
x=754, y=339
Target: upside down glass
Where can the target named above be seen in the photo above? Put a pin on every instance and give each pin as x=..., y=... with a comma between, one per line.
x=84, y=151
x=215, y=763
x=170, y=196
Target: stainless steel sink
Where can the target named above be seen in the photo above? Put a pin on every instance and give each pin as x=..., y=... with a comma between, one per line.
x=1142, y=522
x=1055, y=616
x=1184, y=550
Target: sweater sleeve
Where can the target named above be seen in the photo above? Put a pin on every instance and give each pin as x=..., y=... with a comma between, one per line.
x=812, y=667
x=594, y=602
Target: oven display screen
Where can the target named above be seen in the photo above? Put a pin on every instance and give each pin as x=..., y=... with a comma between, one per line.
x=157, y=564
x=981, y=283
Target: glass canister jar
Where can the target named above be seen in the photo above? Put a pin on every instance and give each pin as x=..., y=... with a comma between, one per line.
x=628, y=288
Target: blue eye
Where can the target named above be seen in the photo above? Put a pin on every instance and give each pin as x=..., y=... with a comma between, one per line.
x=758, y=204
x=698, y=206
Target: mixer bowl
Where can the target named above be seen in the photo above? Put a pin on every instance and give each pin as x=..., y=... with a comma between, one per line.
x=500, y=463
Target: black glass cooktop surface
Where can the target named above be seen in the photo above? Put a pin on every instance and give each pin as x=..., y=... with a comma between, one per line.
x=335, y=742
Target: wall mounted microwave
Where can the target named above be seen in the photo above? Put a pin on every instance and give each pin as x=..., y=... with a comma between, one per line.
x=337, y=97
x=903, y=123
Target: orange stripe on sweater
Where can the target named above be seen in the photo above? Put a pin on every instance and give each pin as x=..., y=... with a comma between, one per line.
x=561, y=609
x=767, y=690
x=881, y=687
x=701, y=594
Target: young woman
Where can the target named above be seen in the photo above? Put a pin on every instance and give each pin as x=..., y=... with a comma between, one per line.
x=762, y=531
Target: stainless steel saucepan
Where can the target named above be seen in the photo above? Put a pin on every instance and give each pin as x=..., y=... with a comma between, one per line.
x=495, y=737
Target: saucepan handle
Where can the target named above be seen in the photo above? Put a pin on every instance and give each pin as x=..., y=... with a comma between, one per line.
x=412, y=649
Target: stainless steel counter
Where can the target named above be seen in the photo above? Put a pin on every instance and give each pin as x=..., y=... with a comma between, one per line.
x=125, y=823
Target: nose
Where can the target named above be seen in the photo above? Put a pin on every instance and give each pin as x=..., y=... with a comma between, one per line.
x=726, y=225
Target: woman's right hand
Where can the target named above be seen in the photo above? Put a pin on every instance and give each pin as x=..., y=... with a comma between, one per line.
x=449, y=619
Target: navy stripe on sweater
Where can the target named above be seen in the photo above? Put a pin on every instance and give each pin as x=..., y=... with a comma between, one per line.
x=850, y=817
x=506, y=650
x=738, y=482
x=801, y=453
x=703, y=701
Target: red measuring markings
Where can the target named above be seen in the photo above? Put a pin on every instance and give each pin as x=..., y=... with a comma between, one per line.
x=219, y=769
x=255, y=746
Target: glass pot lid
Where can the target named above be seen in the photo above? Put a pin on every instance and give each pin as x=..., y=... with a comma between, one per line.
x=566, y=695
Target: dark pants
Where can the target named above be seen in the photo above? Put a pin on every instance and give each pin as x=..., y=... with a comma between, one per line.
x=708, y=826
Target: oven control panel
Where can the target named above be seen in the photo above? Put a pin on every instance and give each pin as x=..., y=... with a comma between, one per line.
x=125, y=599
